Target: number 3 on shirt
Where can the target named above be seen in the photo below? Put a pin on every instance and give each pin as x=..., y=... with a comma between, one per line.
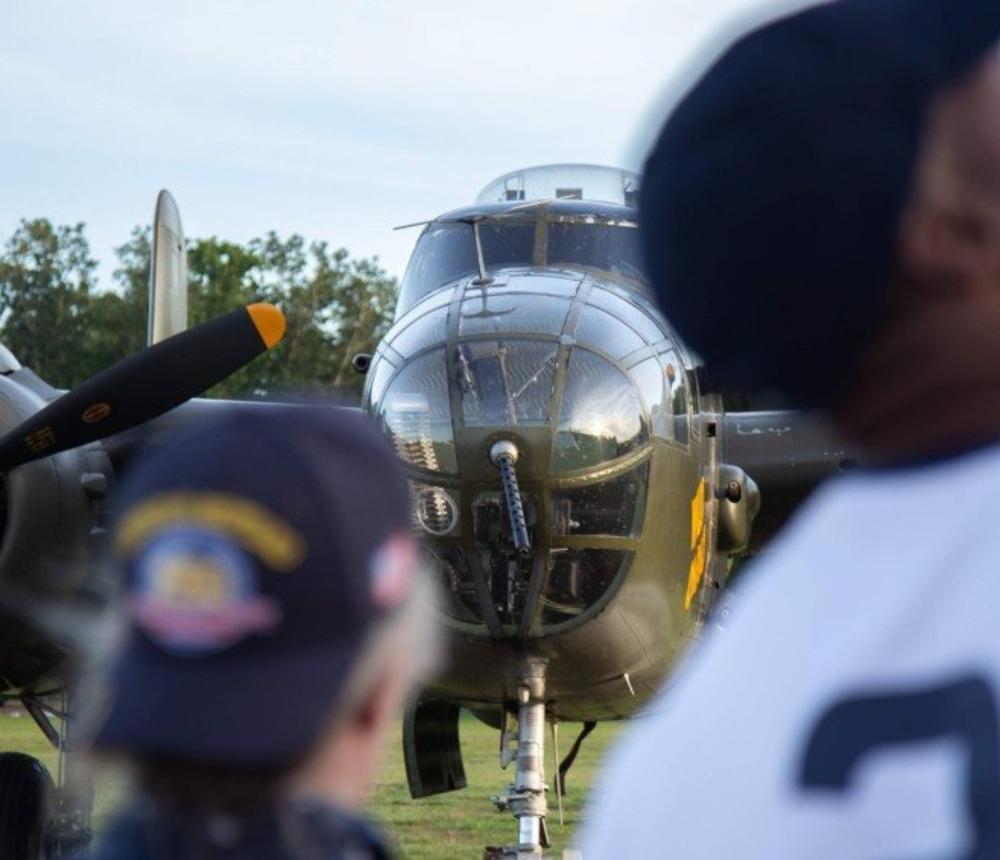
x=963, y=709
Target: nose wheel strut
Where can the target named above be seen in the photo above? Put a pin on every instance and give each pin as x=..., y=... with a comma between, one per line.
x=525, y=796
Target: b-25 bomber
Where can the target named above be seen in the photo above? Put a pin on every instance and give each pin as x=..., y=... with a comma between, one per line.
x=580, y=488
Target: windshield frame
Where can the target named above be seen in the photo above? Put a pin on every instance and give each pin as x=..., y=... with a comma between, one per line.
x=477, y=262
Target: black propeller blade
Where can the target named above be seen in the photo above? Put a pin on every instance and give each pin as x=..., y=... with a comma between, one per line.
x=145, y=385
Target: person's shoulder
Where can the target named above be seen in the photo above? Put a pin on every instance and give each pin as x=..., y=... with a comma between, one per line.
x=918, y=479
x=126, y=837
x=789, y=638
x=344, y=834
x=140, y=833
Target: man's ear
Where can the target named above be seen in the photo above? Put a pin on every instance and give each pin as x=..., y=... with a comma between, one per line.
x=948, y=246
x=377, y=705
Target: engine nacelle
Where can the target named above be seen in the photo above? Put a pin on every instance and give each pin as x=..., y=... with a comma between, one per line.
x=50, y=513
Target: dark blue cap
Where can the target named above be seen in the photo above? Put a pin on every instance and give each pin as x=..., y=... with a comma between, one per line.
x=258, y=553
x=771, y=201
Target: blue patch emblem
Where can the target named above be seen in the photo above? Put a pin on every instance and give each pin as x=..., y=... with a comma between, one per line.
x=197, y=593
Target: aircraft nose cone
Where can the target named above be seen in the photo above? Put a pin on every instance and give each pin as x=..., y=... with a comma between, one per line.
x=582, y=380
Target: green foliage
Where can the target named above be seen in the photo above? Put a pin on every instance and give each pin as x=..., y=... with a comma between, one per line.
x=335, y=307
x=46, y=277
x=56, y=321
x=117, y=318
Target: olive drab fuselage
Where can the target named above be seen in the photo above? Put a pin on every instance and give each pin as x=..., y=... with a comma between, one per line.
x=561, y=351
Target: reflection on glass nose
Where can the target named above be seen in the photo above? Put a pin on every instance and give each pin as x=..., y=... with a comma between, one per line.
x=416, y=412
x=601, y=416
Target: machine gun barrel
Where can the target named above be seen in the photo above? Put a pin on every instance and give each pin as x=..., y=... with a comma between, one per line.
x=503, y=455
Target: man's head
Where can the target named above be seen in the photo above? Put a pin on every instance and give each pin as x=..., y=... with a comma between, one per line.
x=950, y=230
x=773, y=201
x=273, y=601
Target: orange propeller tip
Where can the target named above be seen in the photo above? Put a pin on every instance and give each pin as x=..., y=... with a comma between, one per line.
x=269, y=322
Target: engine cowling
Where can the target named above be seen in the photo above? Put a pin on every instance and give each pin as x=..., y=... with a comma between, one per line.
x=50, y=533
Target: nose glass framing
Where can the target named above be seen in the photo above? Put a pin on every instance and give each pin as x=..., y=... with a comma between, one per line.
x=586, y=378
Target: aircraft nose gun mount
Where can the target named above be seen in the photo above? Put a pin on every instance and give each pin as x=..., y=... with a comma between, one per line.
x=503, y=455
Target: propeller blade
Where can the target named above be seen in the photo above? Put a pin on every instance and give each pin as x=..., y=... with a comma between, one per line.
x=145, y=385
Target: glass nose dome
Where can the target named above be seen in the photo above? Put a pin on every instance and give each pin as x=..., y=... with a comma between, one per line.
x=585, y=383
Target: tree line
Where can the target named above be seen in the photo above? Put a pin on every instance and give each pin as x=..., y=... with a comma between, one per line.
x=57, y=319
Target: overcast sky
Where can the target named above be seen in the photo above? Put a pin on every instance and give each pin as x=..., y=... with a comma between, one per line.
x=336, y=119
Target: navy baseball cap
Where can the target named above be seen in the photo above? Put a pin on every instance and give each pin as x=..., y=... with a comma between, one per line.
x=771, y=201
x=258, y=553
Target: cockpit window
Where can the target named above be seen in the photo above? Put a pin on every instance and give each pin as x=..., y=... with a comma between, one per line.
x=446, y=251
x=613, y=249
x=601, y=416
x=507, y=242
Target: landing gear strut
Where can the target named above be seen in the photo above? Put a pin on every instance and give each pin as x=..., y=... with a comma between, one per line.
x=525, y=797
x=40, y=817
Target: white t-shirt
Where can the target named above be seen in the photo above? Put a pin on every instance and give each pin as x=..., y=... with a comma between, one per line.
x=847, y=708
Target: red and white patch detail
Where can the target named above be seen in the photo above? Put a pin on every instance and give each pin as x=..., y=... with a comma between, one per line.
x=96, y=412
x=392, y=569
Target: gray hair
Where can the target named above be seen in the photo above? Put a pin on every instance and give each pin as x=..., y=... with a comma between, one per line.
x=414, y=634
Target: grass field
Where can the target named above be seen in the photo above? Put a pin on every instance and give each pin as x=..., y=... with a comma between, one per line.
x=459, y=824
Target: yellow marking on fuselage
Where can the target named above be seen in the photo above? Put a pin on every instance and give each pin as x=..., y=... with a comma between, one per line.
x=699, y=549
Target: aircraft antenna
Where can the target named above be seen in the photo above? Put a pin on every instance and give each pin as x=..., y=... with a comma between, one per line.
x=483, y=278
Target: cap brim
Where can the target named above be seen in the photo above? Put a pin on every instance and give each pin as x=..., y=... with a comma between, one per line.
x=257, y=712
